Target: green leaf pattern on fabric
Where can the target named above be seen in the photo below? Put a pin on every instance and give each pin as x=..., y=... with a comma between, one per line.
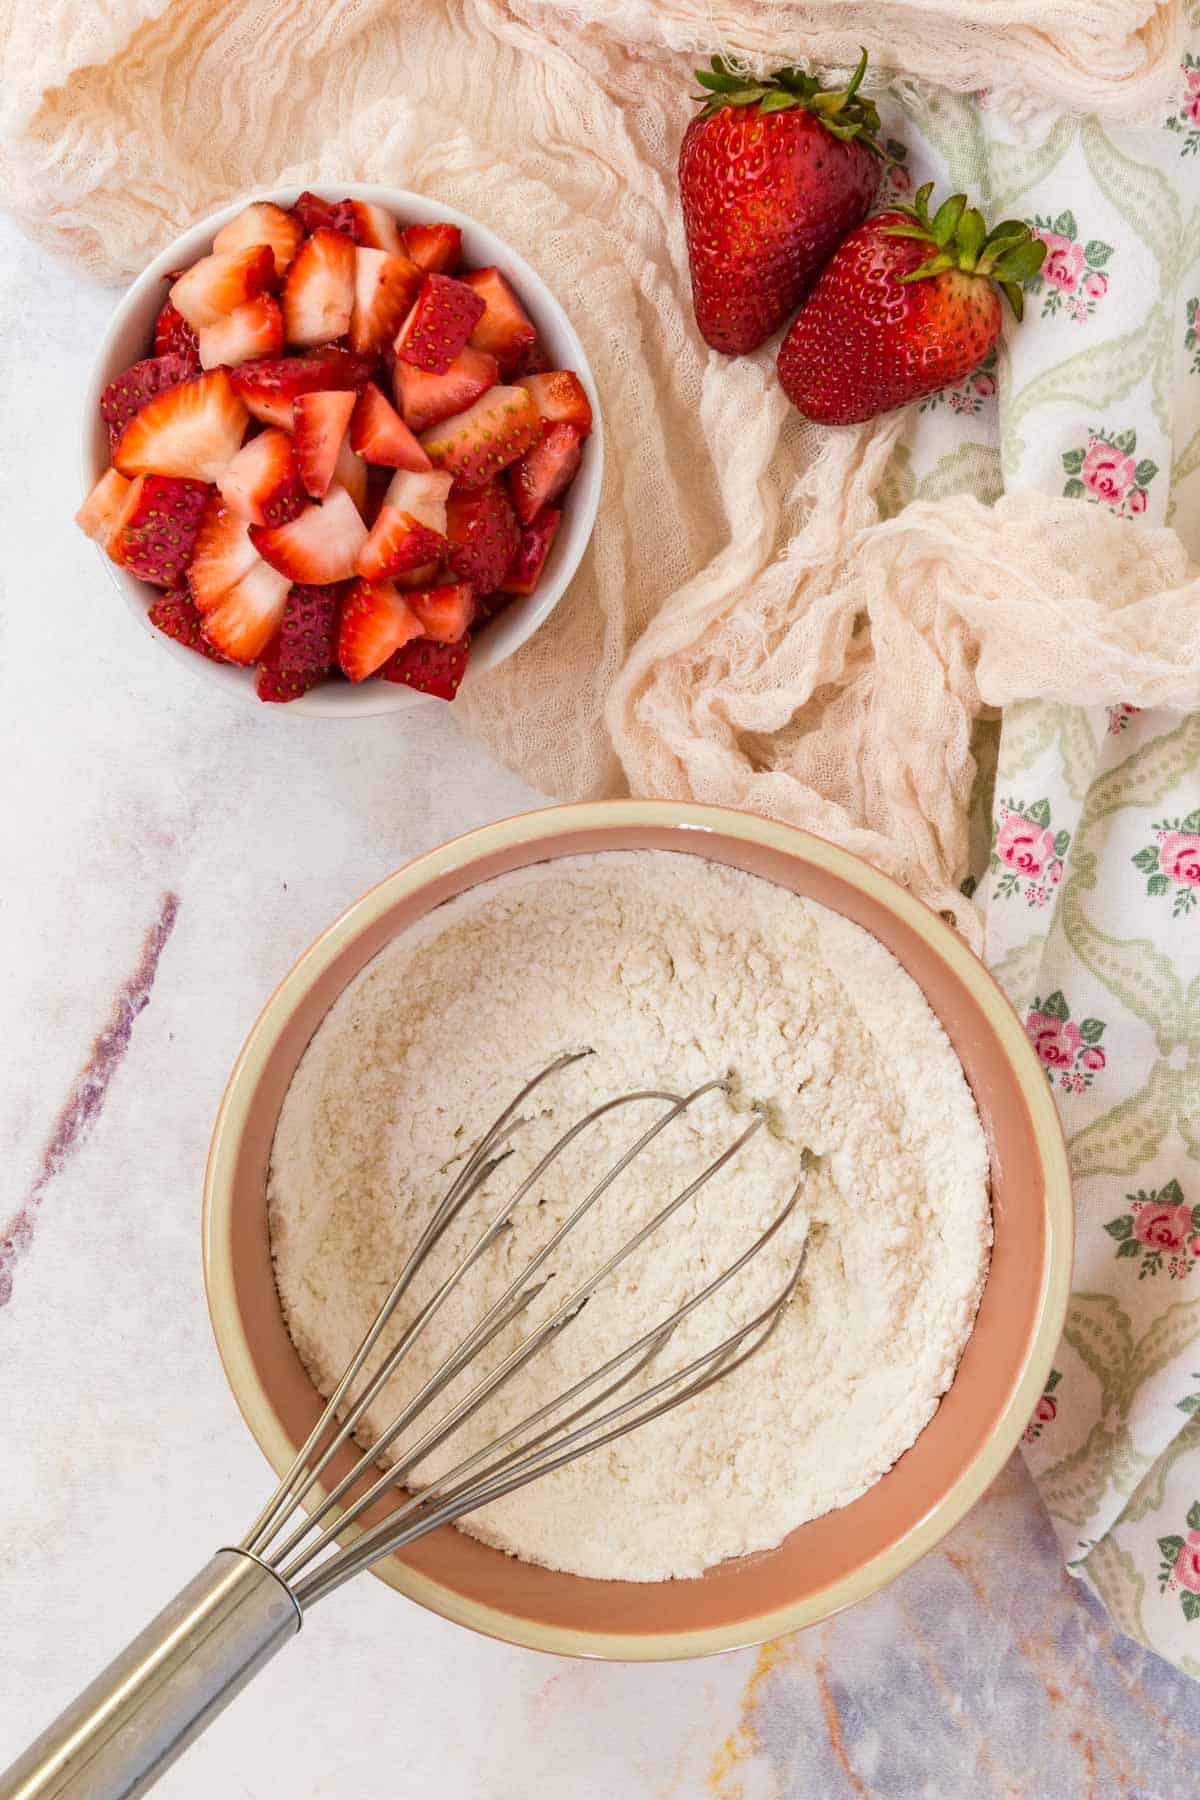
x=1100, y=399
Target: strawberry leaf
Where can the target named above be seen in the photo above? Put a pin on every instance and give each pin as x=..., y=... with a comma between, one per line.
x=1016, y=300
x=970, y=234
x=1022, y=261
x=945, y=219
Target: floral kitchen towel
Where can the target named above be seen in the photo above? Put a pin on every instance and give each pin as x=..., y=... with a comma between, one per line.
x=1092, y=883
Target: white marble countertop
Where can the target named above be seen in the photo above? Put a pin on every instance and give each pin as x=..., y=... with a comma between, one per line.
x=166, y=855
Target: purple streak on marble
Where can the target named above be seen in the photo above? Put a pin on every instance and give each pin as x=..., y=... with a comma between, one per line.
x=85, y=1101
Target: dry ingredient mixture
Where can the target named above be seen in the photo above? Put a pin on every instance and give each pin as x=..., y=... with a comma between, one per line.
x=671, y=970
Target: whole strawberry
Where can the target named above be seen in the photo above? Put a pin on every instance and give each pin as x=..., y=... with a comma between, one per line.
x=906, y=305
x=772, y=173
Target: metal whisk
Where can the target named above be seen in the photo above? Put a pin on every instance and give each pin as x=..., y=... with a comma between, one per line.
x=133, y=1721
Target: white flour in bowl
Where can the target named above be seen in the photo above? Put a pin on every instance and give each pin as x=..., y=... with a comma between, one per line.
x=671, y=970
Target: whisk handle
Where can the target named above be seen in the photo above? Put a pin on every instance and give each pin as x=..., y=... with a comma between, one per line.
x=127, y=1728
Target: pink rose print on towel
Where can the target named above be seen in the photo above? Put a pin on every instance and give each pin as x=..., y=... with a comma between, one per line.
x=1171, y=863
x=1071, y=280
x=1160, y=1231
x=1120, y=715
x=1027, y=854
x=1070, y=1052
x=971, y=395
x=1046, y=1410
x=1179, y=1568
x=1185, y=120
x=1108, y=472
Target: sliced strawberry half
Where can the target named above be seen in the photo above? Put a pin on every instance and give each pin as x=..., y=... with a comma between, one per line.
x=505, y=331
x=536, y=539
x=352, y=473
x=321, y=422
x=398, y=544
x=245, y=619
x=218, y=283
x=319, y=546
x=261, y=483
x=194, y=429
x=177, y=615
x=133, y=388
x=311, y=212
x=430, y=668
x=436, y=330
x=100, y=511
x=221, y=554
x=154, y=535
x=173, y=336
x=435, y=248
x=379, y=433
x=484, y=536
x=255, y=329
x=375, y=623
x=375, y=227
x=545, y=471
x=446, y=613
x=560, y=398
x=424, y=399
x=262, y=222
x=269, y=388
x=318, y=294
x=304, y=649
x=385, y=287
x=475, y=445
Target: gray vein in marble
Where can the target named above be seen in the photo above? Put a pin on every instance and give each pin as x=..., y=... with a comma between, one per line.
x=84, y=1103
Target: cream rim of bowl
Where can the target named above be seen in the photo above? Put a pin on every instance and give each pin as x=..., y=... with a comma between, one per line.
x=128, y=335
x=527, y=832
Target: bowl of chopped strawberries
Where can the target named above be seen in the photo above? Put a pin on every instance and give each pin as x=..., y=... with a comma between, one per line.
x=341, y=448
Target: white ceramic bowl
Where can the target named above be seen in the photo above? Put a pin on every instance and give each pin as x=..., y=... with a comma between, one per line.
x=129, y=337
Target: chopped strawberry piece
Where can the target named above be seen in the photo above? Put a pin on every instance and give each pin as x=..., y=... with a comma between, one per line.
x=435, y=248
x=375, y=622
x=560, y=398
x=484, y=536
x=311, y=213
x=255, y=329
x=318, y=294
x=218, y=283
x=154, y=535
x=173, y=336
x=352, y=473
x=430, y=668
x=262, y=222
x=245, y=619
x=305, y=647
x=536, y=539
x=422, y=495
x=424, y=399
x=319, y=546
x=437, y=328
x=375, y=227
x=446, y=613
x=221, y=554
x=475, y=445
x=545, y=471
x=379, y=433
x=321, y=422
x=103, y=506
x=398, y=543
x=416, y=579
x=133, y=388
x=385, y=287
x=270, y=387
x=505, y=331
x=194, y=429
x=261, y=483
x=534, y=362
x=176, y=614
